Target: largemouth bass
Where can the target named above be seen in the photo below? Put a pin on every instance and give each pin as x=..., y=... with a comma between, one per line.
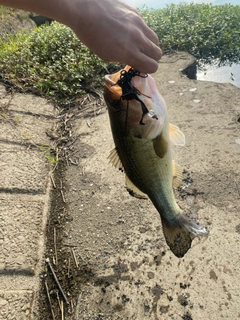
x=143, y=140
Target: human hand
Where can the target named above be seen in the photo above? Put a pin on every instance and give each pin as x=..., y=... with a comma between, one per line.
x=110, y=28
x=115, y=32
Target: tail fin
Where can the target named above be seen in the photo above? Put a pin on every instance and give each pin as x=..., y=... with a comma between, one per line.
x=180, y=232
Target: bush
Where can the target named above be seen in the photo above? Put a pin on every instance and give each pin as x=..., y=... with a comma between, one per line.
x=204, y=30
x=52, y=61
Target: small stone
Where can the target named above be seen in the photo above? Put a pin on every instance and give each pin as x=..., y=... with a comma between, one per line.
x=237, y=141
x=3, y=302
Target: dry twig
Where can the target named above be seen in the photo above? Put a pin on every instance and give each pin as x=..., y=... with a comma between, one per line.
x=59, y=301
x=238, y=191
x=53, y=182
x=49, y=300
x=55, y=245
x=69, y=266
x=64, y=200
x=56, y=280
x=74, y=258
x=62, y=310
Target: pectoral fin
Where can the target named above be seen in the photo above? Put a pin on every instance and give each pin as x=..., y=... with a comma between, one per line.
x=176, y=135
x=115, y=160
x=160, y=145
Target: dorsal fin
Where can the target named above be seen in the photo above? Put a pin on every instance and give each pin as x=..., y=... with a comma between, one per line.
x=178, y=175
x=115, y=160
x=176, y=135
x=133, y=190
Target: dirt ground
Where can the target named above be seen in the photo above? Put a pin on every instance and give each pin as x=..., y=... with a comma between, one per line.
x=111, y=245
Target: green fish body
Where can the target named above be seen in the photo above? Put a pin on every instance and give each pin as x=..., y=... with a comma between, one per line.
x=143, y=150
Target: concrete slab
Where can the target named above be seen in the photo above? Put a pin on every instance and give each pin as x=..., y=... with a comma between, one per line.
x=22, y=115
x=23, y=170
x=21, y=226
x=16, y=305
x=24, y=200
x=31, y=104
x=3, y=91
x=21, y=129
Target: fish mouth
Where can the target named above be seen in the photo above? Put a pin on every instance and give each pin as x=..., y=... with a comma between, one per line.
x=120, y=86
x=111, y=83
x=111, y=79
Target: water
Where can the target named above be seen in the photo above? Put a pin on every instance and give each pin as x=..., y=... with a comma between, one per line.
x=227, y=74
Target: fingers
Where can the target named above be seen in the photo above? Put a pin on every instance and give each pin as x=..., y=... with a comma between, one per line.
x=137, y=51
x=142, y=54
x=116, y=32
x=151, y=50
x=142, y=63
x=149, y=33
x=146, y=53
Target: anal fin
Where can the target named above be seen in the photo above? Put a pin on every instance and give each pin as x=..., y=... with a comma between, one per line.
x=179, y=175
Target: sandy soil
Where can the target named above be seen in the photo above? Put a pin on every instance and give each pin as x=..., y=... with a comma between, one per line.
x=130, y=273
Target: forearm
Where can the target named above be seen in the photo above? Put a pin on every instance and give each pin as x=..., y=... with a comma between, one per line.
x=110, y=28
x=60, y=10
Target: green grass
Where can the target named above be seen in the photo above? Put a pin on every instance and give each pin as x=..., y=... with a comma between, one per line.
x=51, y=61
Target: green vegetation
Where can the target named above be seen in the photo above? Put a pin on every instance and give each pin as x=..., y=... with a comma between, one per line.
x=50, y=60
x=6, y=12
x=205, y=31
x=48, y=154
